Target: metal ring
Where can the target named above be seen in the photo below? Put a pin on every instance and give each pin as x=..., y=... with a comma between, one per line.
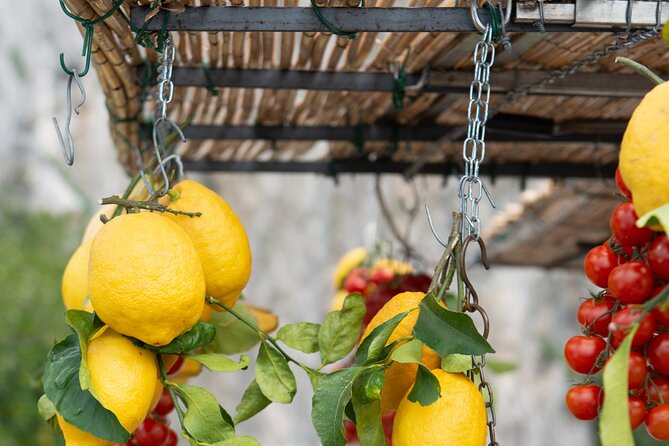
x=477, y=20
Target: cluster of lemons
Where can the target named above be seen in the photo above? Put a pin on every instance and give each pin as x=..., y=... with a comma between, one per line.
x=146, y=275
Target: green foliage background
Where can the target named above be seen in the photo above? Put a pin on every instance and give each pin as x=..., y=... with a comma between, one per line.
x=34, y=248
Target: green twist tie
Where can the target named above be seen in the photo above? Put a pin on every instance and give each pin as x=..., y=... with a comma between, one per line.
x=88, y=26
x=494, y=21
x=210, y=82
x=329, y=25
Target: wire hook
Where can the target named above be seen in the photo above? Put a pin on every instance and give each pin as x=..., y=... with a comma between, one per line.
x=432, y=228
x=159, y=146
x=67, y=143
x=472, y=297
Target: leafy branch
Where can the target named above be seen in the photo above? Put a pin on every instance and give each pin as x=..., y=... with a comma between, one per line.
x=148, y=205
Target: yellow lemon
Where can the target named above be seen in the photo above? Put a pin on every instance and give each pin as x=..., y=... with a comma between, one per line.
x=76, y=437
x=394, y=265
x=267, y=321
x=399, y=378
x=95, y=223
x=346, y=264
x=124, y=379
x=644, y=157
x=457, y=418
x=145, y=278
x=74, y=286
x=218, y=236
x=338, y=300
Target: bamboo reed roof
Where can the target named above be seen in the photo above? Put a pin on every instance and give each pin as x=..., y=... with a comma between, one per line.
x=546, y=229
x=118, y=61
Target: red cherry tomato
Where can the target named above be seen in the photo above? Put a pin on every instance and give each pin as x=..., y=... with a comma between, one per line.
x=623, y=226
x=356, y=282
x=581, y=353
x=598, y=264
x=658, y=257
x=171, y=439
x=151, y=433
x=625, y=252
x=382, y=275
x=350, y=432
x=595, y=314
x=658, y=353
x=637, y=411
x=165, y=404
x=387, y=421
x=637, y=371
x=632, y=282
x=176, y=366
x=583, y=401
x=657, y=422
x=623, y=320
x=622, y=187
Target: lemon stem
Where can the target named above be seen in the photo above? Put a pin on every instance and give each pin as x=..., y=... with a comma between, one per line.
x=126, y=194
x=264, y=336
x=170, y=389
x=149, y=205
x=641, y=69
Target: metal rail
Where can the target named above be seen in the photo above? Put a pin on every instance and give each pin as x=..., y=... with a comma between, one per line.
x=523, y=130
x=438, y=81
x=294, y=19
x=354, y=166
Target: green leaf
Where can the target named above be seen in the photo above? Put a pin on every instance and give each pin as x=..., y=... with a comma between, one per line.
x=314, y=377
x=238, y=441
x=274, y=376
x=203, y=421
x=341, y=329
x=253, y=401
x=367, y=386
x=85, y=325
x=614, y=424
x=220, y=363
x=199, y=335
x=233, y=335
x=426, y=390
x=455, y=363
x=448, y=332
x=302, y=336
x=46, y=408
x=328, y=405
x=371, y=347
x=368, y=423
x=499, y=366
x=659, y=216
x=408, y=352
x=78, y=407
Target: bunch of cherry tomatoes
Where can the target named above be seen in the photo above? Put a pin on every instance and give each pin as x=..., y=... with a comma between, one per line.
x=632, y=267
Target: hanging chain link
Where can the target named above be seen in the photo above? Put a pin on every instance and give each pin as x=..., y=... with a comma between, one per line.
x=162, y=124
x=471, y=186
x=471, y=190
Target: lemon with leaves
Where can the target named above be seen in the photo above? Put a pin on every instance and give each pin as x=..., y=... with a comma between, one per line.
x=74, y=285
x=218, y=236
x=145, y=277
x=124, y=379
x=399, y=377
x=644, y=158
x=457, y=418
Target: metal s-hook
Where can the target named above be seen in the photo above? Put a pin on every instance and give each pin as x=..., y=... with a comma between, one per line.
x=471, y=296
x=67, y=143
x=159, y=146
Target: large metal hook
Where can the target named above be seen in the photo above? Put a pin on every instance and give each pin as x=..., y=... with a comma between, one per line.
x=67, y=143
x=463, y=267
x=471, y=296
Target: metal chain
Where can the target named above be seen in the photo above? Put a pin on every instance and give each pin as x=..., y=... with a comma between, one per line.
x=471, y=187
x=622, y=41
x=164, y=95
